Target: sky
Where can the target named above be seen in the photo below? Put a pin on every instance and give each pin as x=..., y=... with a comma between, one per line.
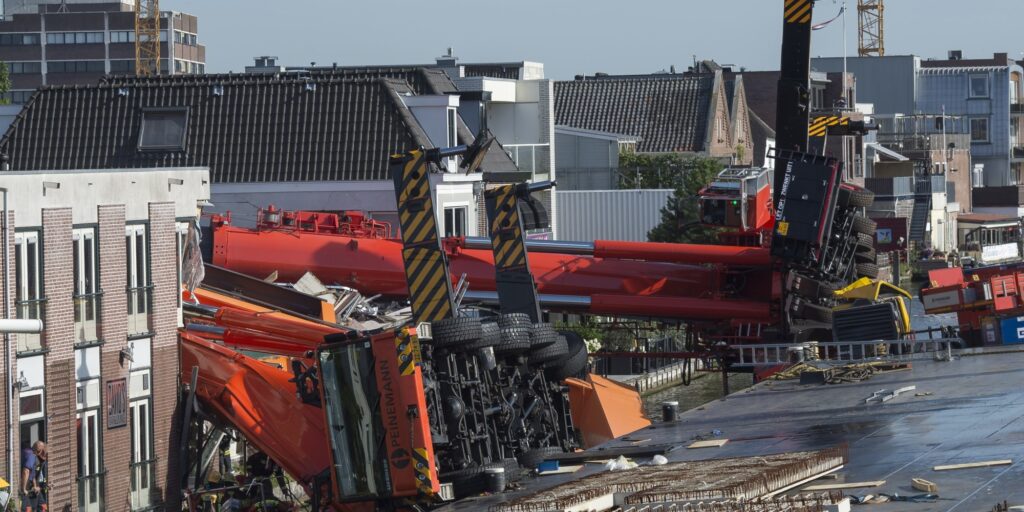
x=578, y=36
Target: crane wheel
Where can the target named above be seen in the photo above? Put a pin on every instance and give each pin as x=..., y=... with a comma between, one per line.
x=550, y=353
x=530, y=459
x=574, y=364
x=514, y=340
x=865, y=242
x=852, y=196
x=869, y=270
x=864, y=226
x=542, y=335
x=459, y=333
x=867, y=256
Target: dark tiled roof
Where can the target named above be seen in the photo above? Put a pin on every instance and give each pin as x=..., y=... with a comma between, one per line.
x=669, y=114
x=422, y=80
x=256, y=131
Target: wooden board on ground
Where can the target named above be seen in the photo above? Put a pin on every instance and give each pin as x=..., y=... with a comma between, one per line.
x=850, y=485
x=562, y=470
x=710, y=443
x=923, y=485
x=969, y=465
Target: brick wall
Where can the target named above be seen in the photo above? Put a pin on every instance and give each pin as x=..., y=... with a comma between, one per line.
x=163, y=269
x=12, y=347
x=114, y=332
x=60, y=361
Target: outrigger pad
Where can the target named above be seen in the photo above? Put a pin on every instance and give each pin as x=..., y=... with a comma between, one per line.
x=533, y=213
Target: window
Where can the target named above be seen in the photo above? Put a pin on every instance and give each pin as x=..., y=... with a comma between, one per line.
x=122, y=36
x=75, y=66
x=32, y=407
x=139, y=288
x=74, y=37
x=453, y=137
x=87, y=420
x=19, y=39
x=979, y=86
x=28, y=276
x=141, y=438
x=122, y=67
x=18, y=97
x=979, y=129
x=86, y=297
x=163, y=130
x=24, y=68
x=455, y=221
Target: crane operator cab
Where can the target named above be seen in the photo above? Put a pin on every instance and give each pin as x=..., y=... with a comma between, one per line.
x=739, y=199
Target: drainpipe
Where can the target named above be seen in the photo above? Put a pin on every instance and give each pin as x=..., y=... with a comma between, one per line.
x=9, y=386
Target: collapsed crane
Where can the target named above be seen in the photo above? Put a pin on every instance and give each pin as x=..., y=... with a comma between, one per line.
x=419, y=409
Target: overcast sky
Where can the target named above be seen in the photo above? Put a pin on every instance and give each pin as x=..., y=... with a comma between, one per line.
x=577, y=36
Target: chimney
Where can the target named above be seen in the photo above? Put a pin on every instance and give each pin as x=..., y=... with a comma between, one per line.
x=447, y=60
x=956, y=55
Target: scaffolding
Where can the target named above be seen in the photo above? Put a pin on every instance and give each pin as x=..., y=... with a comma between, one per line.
x=147, y=37
x=871, y=22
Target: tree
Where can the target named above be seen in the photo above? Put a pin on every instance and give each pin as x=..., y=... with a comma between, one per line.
x=5, y=84
x=679, y=217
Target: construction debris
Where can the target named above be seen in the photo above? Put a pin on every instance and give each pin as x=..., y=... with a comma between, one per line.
x=923, y=485
x=973, y=465
x=712, y=443
x=850, y=485
x=883, y=395
x=733, y=480
x=822, y=373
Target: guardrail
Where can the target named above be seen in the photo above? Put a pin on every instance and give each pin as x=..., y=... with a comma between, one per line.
x=766, y=354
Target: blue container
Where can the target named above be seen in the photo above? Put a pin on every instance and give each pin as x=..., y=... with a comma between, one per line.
x=1012, y=329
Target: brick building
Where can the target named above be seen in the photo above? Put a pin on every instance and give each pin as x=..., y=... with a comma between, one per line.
x=95, y=254
x=54, y=42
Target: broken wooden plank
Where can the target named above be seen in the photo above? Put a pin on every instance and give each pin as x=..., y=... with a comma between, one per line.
x=561, y=470
x=710, y=443
x=923, y=485
x=849, y=485
x=969, y=465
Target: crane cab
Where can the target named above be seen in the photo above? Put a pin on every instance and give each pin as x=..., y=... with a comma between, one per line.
x=738, y=199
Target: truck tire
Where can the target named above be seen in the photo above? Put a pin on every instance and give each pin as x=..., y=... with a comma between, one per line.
x=514, y=320
x=864, y=225
x=869, y=270
x=470, y=481
x=542, y=335
x=513, y=472
x=491, y=335
x=550, y=353
x=531, y=458
x=865, y=242
x=514, y=340
x=852, y=196
x=867, y=256
x=459, y=333
x=572, y=365
x=814, y=312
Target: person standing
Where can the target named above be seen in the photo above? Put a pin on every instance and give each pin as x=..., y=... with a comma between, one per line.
x=42, y=472
x=27, y=489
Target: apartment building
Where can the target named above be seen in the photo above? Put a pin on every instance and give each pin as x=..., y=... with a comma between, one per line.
x=53, y=42
x=95, y=254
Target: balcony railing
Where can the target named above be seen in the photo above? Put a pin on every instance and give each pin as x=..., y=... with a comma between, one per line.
x=143, y=475
x=87, y=317
x=1018, y=151
x=532, y=158
x=90, y=493
x=1017, y=108
x=140, y=301
x=31, y=310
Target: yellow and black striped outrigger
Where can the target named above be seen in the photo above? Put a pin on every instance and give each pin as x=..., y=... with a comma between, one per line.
x=426, y=265
x=517, y=290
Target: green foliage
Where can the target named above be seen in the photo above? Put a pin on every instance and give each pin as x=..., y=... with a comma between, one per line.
x=5, y=83
x=586, y=329
x=679, y=217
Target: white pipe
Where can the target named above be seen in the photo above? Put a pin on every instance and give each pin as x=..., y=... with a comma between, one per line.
x=21, y=325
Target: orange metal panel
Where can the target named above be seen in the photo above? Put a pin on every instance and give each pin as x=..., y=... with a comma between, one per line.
x=603, y=409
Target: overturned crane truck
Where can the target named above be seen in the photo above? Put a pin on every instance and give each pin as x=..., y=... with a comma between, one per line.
x=391, y=416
